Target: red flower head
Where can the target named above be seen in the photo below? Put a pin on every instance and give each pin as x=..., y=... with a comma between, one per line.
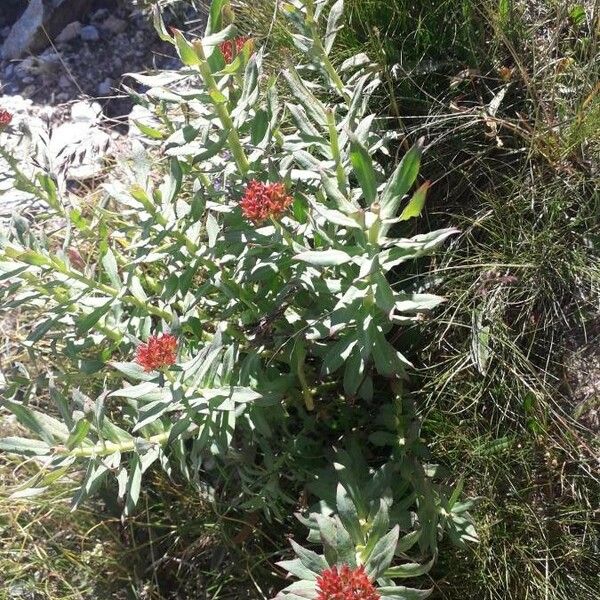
x=345, y=584
x=264, y=200
x=5, y=118
x=158, y=351
x=227, y=47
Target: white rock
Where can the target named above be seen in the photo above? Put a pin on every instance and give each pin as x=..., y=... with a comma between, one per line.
x=86, y=112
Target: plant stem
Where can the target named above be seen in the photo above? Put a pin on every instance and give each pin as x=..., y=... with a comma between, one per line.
x=335, y=151
x=107, y=448
x=38, y=259
x=215, y=93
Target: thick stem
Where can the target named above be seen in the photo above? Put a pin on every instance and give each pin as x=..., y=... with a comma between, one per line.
x=61, y=268
x=333, y=75
x=108, y=448
x=335, y=151
x=35, y=258
x=234, y=141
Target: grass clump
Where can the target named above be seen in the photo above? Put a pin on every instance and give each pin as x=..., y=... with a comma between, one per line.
x=50, y=553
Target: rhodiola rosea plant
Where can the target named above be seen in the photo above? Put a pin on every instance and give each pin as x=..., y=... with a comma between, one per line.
x=361, y=539
x=229, y=298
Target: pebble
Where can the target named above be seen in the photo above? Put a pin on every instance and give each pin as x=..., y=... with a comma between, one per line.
x=22, y=68
x=100, y=14
x=64, y=82
x=10, y=88
x=104, y=88
x=69, y=33
x=89, y=34
x=114, y=25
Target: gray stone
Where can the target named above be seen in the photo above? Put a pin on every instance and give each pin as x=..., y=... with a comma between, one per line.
x=89, y=34
x=64, y=82
x=69, y=33
x=114, y=25
x=41, y=19
x=25, y=32
x=25, y=67
x=104, y=88
x=100, y=15
x=47, y=63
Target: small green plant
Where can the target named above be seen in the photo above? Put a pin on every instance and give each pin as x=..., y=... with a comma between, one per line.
x=229, y=296
x=360, y=542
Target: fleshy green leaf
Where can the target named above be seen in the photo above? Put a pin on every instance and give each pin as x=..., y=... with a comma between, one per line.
x=333, y=25
x=400, y=181
x=324, y=258
x=109, y=263
x=215, y=17
x=24, y=446
x=415, y=204
x=349, y=515
x=78, y=434
x=44, y=426
x=134, y=484
x=403, y=593
x=409, y=569
x=159, y=25
x=337, y=543
x=382, y=554
x=298, y=569
x=363, y=169
x=86, y=322
x=148, y=131
x=185, y=50
x=133, y=370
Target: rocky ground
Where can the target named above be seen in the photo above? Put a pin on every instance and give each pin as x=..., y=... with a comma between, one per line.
x=87, y=59
x=67, y=87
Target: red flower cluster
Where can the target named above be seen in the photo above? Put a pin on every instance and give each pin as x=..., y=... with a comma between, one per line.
x=345, y=584
x=158, y=351
x=5, y=118
x=227, y=47
x=264, y=200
